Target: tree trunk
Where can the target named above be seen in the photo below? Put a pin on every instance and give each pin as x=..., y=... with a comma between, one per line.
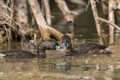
x=47, y=11
x=22, y=11
x=111, y=17
x=21, y=16
x=98, y=27
x=45, y=30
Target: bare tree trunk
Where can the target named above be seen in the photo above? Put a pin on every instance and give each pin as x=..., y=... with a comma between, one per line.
x=111, y=17
x=95, y=13
x=47, y=11
x=45, y=30
x=22, y=10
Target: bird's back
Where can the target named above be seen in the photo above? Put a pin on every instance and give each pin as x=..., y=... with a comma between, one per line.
x=88, y=48
x=18, y=54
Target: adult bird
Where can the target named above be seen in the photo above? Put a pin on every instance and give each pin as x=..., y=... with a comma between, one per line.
x=41, y=50
x=85, y=48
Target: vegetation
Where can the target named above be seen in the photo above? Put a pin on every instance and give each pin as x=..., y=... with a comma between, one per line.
x=18, y=18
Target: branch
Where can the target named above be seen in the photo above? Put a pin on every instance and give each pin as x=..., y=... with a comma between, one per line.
x=47, y=11
x=98, y=27
x=68, y=14
x=108, y=22
x=45, y=30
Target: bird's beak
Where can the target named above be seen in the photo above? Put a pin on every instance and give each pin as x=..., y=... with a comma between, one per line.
x=64, y=47
x=58, y=48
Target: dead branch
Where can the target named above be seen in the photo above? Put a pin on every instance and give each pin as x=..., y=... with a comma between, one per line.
x=108, y=22
x=45, y=30
x=68, y=14
x=47, y=11
x=95, y=13
x=111, y=17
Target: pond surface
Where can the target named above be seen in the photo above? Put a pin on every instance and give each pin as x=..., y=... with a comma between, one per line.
x=58, y=67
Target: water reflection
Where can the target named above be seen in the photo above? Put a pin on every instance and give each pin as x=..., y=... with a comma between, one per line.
x=57, y=67
x=63, y=67
x=74, y=68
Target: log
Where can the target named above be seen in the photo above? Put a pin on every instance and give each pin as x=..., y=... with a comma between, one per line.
x=45, y=30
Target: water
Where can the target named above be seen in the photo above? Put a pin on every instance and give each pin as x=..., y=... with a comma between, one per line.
x=58, y=67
